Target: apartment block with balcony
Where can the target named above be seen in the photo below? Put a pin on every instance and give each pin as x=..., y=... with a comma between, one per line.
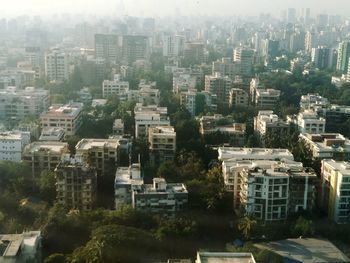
x=238, y=98
x=335, y=190
x=162, y=143
x=76, y=184
x=68, y=117
x=115, y=87
x=308, y=122
x=42, y=156
x=327, y=146
x=267, y=98
x=12, y=144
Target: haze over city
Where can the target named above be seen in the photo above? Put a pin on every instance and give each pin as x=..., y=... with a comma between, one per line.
x=167, y=7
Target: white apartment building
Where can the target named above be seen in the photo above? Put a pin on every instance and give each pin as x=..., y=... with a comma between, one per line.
x=68, y=117
x=115, y=87
x=160, y=197
x=127, y=179
x=12, y=144
x=162, y=143
x=57, y=66
x=238, y=98
x=269, y=123
x=173, y=45
x=146, y=95
x=267, y=98
x=149, y=116
x=327, y=146
x=309, y=122
x=42, y=156
x=335, y=190
x=18, y=104
x=313, y=102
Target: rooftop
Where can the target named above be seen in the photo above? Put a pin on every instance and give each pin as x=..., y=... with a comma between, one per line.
x=69, y=110
x=10, y=136
x=57, y=147
x=214, y=257
x=306, y=250
x=10, y=244
x=327, y=141
x=86, y=144
x=253, y=153
x=341, y=166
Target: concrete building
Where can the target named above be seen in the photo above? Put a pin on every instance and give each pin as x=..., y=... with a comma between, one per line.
x=308, y=122
x=52, y=134
x=267, y=123
x=327, y=146
x=238, y=98
x=322, y=57
x=162, y=143
x=115, y=87
x=12, y=144
x=76, y=184
x=313, y=102
x=226, y=67
x=42, y=156
x=25, y=247
x=336, y=116
x=208, y=257
x=127, y=179
x=149, y=116
x=118, y=127
x=173, y=45
x=343, y=56
x=135, y=48
x=219, y=86
x=267, y=98
x=107, y=47
x=19, y=104
x=335, y=194
x=68, y=117
x=103, y=154
x=160, y=197
x=57, y=66
x=244, y=56
x=198, y=101
x=147, y=94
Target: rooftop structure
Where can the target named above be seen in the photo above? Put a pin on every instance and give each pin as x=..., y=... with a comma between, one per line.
x=52, y=134
x=224, y=257
x=313, y=102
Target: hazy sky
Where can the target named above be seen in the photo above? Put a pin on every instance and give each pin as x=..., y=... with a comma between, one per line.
x=166, y=7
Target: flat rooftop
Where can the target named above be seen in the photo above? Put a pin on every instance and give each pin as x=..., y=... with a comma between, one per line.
x=253, y=153
x=341, y=166
x=46, y=146
x=212, y=257
x=68, y=110
x=86, y=144
x=306, y=250
x=10, y=136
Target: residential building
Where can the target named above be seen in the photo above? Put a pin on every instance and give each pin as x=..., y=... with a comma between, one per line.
x=336, y=116
x=103, y=154
x=225, y=67
x=107, y=47
x=267, y=123
x=173, y=45
x=219, y=86
x=244, y=56
x=147, y=94
x=343, y=56
x=255, y=84
x=127, y=179
x=313, y=102
x=12, y=144
x=162, y=143
x=76, y=184
x=57, y=66
x=322, y=57
x=52, y=134
x=238, y=98
x=206, y=257
x=41, y=156
x=335, y=194
x=160, y=197
x=267, y=98
x=68, y=117
x=308, y=122
x=19, y=104
x=115, y=87
x=198, y=101
x=149, y=116
x=134, y=48
x=327, y=146
x=306, y=250
x=118, y=127
x=25, y=247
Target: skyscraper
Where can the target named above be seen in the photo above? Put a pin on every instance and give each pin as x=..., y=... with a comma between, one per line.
x=343, y=56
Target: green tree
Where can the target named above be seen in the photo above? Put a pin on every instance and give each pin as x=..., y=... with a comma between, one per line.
x=46, y=184
x=303, y=227
x=247, y=226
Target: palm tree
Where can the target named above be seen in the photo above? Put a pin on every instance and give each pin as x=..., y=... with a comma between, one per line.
x=246, y=225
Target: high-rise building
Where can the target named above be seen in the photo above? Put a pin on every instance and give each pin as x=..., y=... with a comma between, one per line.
x=322, y=57
x=173, y=45
x=226, y=67
x=57, y=66
x=245, y=56
x=343, y=56
x=107, y=47
x=219, y=86
x=162, y=143
x=135, y=48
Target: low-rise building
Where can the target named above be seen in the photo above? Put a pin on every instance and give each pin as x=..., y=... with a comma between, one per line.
x=149, y=116
x=198, y=101
x=25, y=247
x=42, y=156
x=76, y=183
x=115, y=87
x=335, y=193
x=127, y=179
x=327, y=146
x=162, y=143
x=160, y=197
x=238, y=98
x=336, y=117
x=12, y=144
x=118, y=127
x=52, y=134
x=313, y=102
x=308, y=122
x=267, y=98
x=68, y=117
